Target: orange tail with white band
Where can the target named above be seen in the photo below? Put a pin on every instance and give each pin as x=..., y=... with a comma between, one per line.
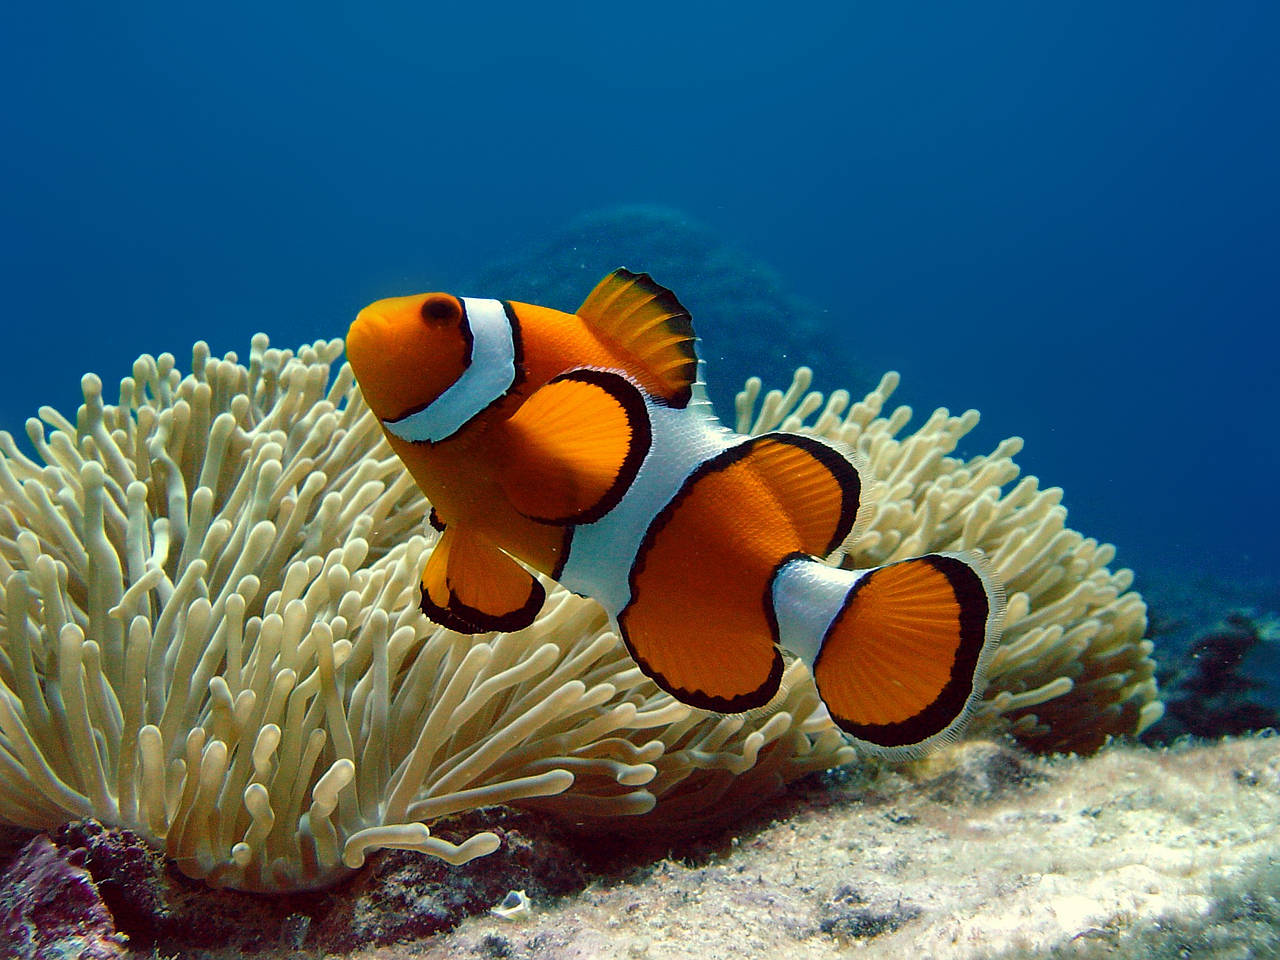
x=899, y=652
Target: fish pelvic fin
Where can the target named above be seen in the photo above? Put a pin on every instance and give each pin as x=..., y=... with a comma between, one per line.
x=471, y=586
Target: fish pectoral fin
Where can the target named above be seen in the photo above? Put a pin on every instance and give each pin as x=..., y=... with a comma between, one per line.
x=575, y=446
x=471, y=586
x=904, y=658
x=645, y=320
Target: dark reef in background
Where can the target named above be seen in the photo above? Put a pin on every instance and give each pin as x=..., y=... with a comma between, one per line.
x=748, y=323
x=1210, y=690
x=1217, y=646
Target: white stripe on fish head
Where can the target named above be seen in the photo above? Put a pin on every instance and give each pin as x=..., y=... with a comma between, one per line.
x=490, y=373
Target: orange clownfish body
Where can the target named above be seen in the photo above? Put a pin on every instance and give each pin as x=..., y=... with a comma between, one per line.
x=581, y=445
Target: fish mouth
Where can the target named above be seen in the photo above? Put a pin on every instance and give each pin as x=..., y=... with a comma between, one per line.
x=369, y=316
x=368, y=346
x=364, y=334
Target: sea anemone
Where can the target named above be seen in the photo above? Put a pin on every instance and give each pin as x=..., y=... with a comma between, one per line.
x=209, y=634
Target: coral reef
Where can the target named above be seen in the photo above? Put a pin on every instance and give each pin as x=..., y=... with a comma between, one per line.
x=981, y=850
x=1115, y=855
x=1215, y=631
x=1208, y=692
x=93, y=883
x=49, y=907
x=209, y=633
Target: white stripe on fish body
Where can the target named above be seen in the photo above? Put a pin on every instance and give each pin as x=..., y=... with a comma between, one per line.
x=601, y=553
x=489, y=374
x=807, y=596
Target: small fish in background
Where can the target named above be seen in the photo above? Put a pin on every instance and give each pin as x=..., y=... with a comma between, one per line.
x=582, y=446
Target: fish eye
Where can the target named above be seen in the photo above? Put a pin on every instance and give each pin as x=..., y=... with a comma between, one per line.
x=440, y=308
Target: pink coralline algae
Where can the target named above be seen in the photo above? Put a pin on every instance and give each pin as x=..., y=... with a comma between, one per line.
x=50, y=907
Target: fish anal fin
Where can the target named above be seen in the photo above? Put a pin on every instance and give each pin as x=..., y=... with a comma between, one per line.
x=904, y=658
x=644, y=320
x=471, y=586
x=706, y=665
x=575, y=446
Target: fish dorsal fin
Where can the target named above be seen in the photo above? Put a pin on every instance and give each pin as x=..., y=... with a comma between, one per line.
x=644, y=319
x=575, y=446
x=471, y=586
x=816, y=485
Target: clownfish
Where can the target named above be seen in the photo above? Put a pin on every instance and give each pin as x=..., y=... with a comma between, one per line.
x=582, y=446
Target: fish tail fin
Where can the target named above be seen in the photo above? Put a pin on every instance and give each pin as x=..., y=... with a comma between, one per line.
x=898, y=652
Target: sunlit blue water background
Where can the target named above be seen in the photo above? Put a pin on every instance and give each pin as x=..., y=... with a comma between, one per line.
x=1065, y=215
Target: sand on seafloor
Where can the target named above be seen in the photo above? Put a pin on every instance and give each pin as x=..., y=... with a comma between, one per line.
x=1134, y=852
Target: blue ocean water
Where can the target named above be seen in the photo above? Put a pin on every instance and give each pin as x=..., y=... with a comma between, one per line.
x=1066, y=215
